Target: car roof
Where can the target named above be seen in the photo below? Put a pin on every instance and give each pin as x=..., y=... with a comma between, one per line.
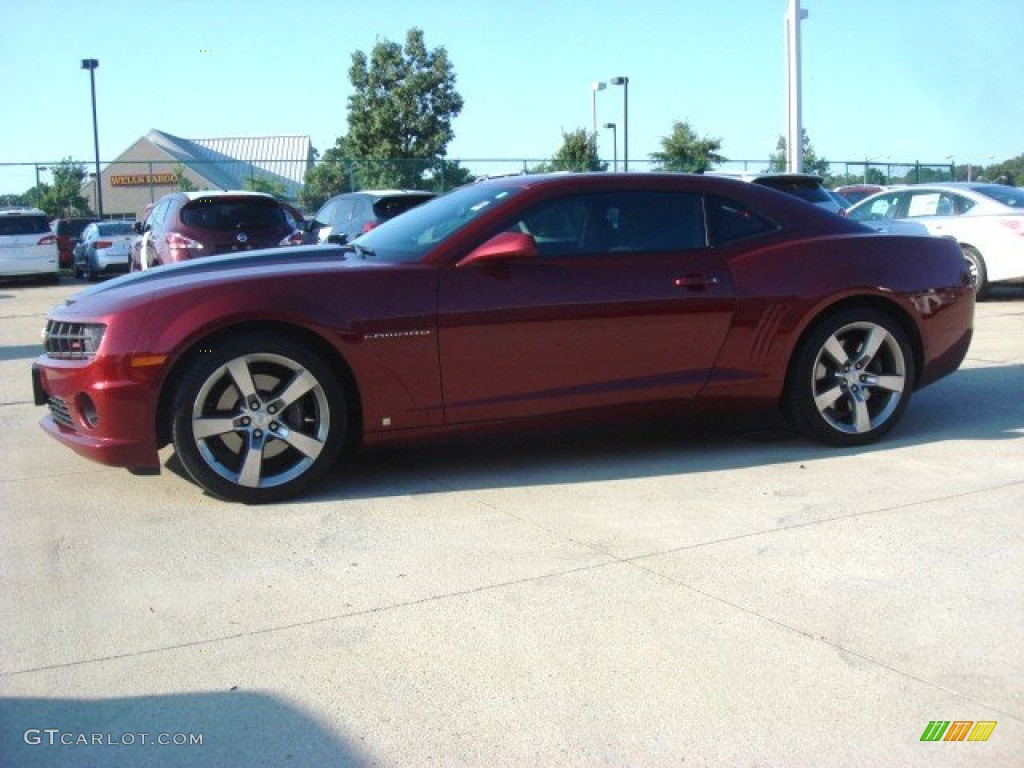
x=21, y=212
x=387, y=193
x=780, y=176
x=197, y=195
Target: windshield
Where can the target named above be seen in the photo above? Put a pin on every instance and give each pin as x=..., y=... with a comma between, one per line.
x=115, y=228
x=806, y=189
x=410, y=236
x=228, y=213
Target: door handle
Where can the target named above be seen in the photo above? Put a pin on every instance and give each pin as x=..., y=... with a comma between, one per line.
x=695, y=282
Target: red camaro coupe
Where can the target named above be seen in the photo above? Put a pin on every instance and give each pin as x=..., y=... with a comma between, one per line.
x=515, y=299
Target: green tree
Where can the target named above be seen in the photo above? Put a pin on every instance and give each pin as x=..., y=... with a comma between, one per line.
x=685, y=152
x=578, y=153
x=332, y=175
x=448, y=174
x=265, y=185
x=13, y=201
x=1007, y=172
x=400, y=112
x=184, y=182
x=64, y=197
x=812, y=163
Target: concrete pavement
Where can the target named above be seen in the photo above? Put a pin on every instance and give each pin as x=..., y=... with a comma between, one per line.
x=623, y=597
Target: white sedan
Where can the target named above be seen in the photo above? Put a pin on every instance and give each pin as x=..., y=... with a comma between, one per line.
x=986, y=219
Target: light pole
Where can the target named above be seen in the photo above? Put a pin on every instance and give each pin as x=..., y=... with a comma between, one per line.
x=594, y=88
x=615, y=145
x=795, y=133
x=38, y=169
x=91, y=65
x=624, y=82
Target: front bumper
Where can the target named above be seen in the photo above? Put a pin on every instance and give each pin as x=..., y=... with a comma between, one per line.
x=98, y=411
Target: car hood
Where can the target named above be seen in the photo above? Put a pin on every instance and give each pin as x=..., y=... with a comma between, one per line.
x=285, y=259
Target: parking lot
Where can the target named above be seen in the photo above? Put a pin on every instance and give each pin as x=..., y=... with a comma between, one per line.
x=623, y=596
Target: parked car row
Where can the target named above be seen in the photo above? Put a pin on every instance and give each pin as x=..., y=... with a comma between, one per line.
x=987, y=220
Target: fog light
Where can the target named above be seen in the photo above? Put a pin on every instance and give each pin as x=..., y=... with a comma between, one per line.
x=87, y=408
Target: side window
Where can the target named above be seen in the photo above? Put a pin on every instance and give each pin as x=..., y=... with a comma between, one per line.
x=884, y=207
x=323, y=216
x=342, y=214
x=961, y=205
x=622, y=222
x=926, y=204
x=156, y=218
x=729, y=221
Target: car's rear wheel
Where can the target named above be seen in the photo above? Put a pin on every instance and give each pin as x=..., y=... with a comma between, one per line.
x=259, y=418
x=979, y=274
x=851, y=378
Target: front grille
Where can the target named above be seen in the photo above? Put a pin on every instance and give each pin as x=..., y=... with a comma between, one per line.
x=72, y=341
x=60, y=412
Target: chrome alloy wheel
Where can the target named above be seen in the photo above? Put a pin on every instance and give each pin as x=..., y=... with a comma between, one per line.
x=260, y=420
x=860, y=376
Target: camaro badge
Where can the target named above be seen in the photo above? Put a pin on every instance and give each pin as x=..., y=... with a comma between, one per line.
x=242, y=237
x=396, y=334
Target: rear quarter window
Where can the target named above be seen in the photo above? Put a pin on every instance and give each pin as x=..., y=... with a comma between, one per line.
x=730, y=221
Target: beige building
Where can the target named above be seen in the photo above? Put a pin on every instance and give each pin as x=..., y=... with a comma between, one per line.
x=160, y=163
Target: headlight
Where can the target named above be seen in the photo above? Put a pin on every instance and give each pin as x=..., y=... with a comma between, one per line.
x=72, y=341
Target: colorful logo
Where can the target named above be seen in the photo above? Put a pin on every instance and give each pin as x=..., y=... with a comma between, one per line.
x=958, y=730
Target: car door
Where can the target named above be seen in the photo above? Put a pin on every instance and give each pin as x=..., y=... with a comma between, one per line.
x=623, y=303
x=80, y=253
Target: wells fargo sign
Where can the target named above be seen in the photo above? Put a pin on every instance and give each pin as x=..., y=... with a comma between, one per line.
x=143, y=179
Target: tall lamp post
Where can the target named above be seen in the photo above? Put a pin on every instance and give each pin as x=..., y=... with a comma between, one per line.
x=594, y=88
x=624, y=82
x=615, y=145
x=91, y=65
x=794, y=130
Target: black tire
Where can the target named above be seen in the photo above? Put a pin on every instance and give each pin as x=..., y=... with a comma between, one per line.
x=979, y=273
x=275, y=441
x=857, y=399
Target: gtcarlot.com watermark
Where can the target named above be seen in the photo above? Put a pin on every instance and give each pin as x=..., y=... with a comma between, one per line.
x=55, y=737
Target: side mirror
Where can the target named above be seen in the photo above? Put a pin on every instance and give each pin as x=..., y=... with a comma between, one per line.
x=502, y=247
x=137, y=227
x=338, y=239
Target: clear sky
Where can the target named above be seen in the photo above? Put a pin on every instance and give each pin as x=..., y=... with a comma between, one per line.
x=897, y=80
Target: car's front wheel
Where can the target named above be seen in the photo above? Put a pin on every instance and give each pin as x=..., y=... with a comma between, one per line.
x=851, y=378
x=259, y=418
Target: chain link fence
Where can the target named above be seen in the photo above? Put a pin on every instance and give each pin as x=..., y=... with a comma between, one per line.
x=128, y=187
